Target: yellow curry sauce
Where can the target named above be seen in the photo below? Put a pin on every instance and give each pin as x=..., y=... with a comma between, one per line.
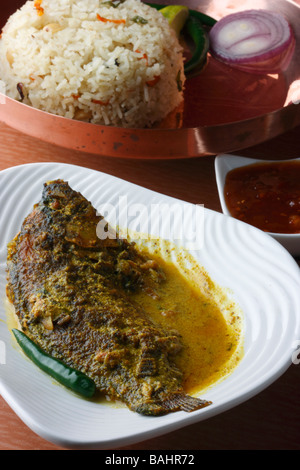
x=209, y=323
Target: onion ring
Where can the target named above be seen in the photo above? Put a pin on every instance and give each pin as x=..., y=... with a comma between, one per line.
x=257, y=41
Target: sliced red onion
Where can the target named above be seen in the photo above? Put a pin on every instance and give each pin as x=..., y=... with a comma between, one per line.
x=257, y=41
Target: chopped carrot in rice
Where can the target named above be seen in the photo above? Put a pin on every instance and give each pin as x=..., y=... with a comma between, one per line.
x=103, y=103
x=144, y=56
x=106, y=20
x=154, y=81
x=40, y=10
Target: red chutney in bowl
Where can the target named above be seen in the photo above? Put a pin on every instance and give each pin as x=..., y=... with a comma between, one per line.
x=266, y=195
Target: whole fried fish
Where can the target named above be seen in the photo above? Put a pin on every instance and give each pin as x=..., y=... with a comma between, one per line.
x=70, y=290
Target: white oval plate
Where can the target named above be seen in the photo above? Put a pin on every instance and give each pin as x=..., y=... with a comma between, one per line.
x=264, y=279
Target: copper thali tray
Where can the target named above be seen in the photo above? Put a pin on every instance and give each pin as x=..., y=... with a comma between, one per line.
x=225, y=110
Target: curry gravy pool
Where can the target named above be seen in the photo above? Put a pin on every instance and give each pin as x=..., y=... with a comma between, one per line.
x=209, y=322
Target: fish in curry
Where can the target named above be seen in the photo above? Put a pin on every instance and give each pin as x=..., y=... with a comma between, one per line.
x=72, y=291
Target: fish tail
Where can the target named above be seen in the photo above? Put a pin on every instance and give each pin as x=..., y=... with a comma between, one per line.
x=183, y=402
x=177, y=401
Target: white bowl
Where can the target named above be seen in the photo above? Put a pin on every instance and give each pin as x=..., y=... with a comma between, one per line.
x=225, y=163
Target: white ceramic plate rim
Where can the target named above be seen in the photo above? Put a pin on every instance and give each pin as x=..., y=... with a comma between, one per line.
x=49, y=410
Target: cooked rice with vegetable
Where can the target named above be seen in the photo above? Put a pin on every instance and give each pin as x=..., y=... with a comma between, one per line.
x=114, y=62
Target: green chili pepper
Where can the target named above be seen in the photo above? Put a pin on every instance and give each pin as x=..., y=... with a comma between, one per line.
x=195, y=27
x=205, y=19
x=65, y=375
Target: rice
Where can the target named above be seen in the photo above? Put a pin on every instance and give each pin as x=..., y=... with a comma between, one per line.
x=113, y=62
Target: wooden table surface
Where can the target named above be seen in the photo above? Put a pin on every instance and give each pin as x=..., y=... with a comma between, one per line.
x=270, y=420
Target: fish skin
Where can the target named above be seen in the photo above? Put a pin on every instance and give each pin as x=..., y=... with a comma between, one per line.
x=70, y=293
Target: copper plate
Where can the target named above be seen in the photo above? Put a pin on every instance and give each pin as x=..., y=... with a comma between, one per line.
x=225, y=110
